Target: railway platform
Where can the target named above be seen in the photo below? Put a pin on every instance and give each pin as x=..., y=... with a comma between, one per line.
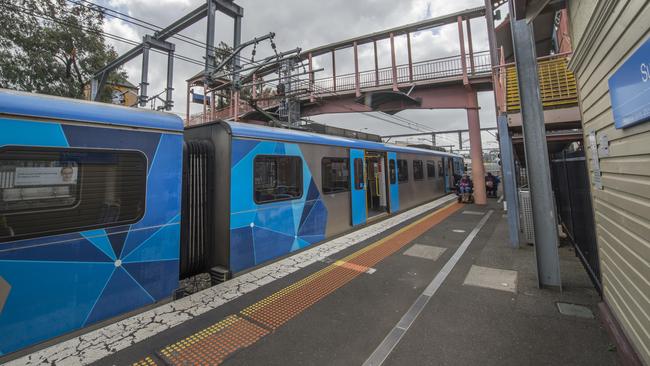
x=435, y=285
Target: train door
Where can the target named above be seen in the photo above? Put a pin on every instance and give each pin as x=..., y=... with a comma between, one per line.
x=392, y=182
x=449, y=173
x=358, y=192
x=445, y=173
x=376, y=189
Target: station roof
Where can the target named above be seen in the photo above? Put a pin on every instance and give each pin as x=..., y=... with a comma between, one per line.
x=58, y=108
x=247, y=130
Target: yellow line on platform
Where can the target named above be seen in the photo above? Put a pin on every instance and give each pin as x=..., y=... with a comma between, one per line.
x=261, y=318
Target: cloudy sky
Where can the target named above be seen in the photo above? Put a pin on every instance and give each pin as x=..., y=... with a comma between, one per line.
x=307, y=24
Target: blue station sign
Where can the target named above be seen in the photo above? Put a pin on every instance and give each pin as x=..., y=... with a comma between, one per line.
x=629, y=89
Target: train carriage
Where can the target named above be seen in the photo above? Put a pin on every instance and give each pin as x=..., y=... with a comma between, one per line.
x=89, y=213
x=273, y=191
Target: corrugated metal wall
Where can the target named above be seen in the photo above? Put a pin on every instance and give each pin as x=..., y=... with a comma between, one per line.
x=604, y=34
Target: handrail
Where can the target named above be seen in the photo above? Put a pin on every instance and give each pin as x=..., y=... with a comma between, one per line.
x=438, y=68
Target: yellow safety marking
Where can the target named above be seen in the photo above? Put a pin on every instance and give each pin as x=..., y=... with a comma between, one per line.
x=351, y=266
x=147, y=361
x=250, y=310
x=196, y=337
x=279, y=307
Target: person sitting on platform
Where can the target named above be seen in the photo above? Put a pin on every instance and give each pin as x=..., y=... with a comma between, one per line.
x=465, y=188
x=491, y=184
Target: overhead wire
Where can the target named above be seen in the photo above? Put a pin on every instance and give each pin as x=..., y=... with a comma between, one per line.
x=101, y=32
x=153, y=27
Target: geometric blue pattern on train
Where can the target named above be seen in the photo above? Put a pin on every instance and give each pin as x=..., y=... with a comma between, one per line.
x=259, y=233
x=60, y=283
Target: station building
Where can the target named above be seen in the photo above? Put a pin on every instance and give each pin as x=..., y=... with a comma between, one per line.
x=609, y=43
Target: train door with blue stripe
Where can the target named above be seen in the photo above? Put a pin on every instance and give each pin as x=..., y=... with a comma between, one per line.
x=358, y=192
x=392, y=182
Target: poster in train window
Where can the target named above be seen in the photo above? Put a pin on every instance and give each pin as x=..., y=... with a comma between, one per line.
x=68, y=190
x=36, y=184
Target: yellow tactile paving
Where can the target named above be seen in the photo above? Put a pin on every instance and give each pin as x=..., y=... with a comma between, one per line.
x=214, y=344
x=352, y=266
x=147, y=361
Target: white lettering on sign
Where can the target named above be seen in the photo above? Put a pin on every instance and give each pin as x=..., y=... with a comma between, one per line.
x=645, y=72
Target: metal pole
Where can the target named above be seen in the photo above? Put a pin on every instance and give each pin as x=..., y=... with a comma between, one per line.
x=236, y=63
x=145, y=72
x=460, y=140
x=169, y=102
x=509, y=180
x=433, y=139
x=537, y=164
x=408, y=46
x=376, y=64
x=357, y=81
x=334, y=69
x=311, y=80
x=254, y=88
x=463, y=61
x=213, y=104
x=205, y=106
x=469, y=45
x=393, y=62
x=489, y=20
x=210, y=59
x=187, y=105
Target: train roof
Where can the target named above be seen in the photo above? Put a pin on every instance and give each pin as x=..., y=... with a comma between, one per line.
x=46, y=106
x=248, y=130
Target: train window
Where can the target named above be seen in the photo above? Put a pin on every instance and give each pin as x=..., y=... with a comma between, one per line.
x=441, y=171
x=402, y=170
x=418, y=170
x=336, y=175
x=431, y=169
x=358, y=173
x=277, y=178
x=67, y=190
x=392, y=170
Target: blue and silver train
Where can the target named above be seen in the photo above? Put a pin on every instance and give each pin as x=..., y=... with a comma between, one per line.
x=103, y=209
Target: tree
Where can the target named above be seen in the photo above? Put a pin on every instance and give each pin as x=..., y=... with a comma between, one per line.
x=52, y=47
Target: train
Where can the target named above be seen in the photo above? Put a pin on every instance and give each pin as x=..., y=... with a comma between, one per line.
x=104, y=209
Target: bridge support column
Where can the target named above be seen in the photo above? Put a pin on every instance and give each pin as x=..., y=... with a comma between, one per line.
x=476, y=148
